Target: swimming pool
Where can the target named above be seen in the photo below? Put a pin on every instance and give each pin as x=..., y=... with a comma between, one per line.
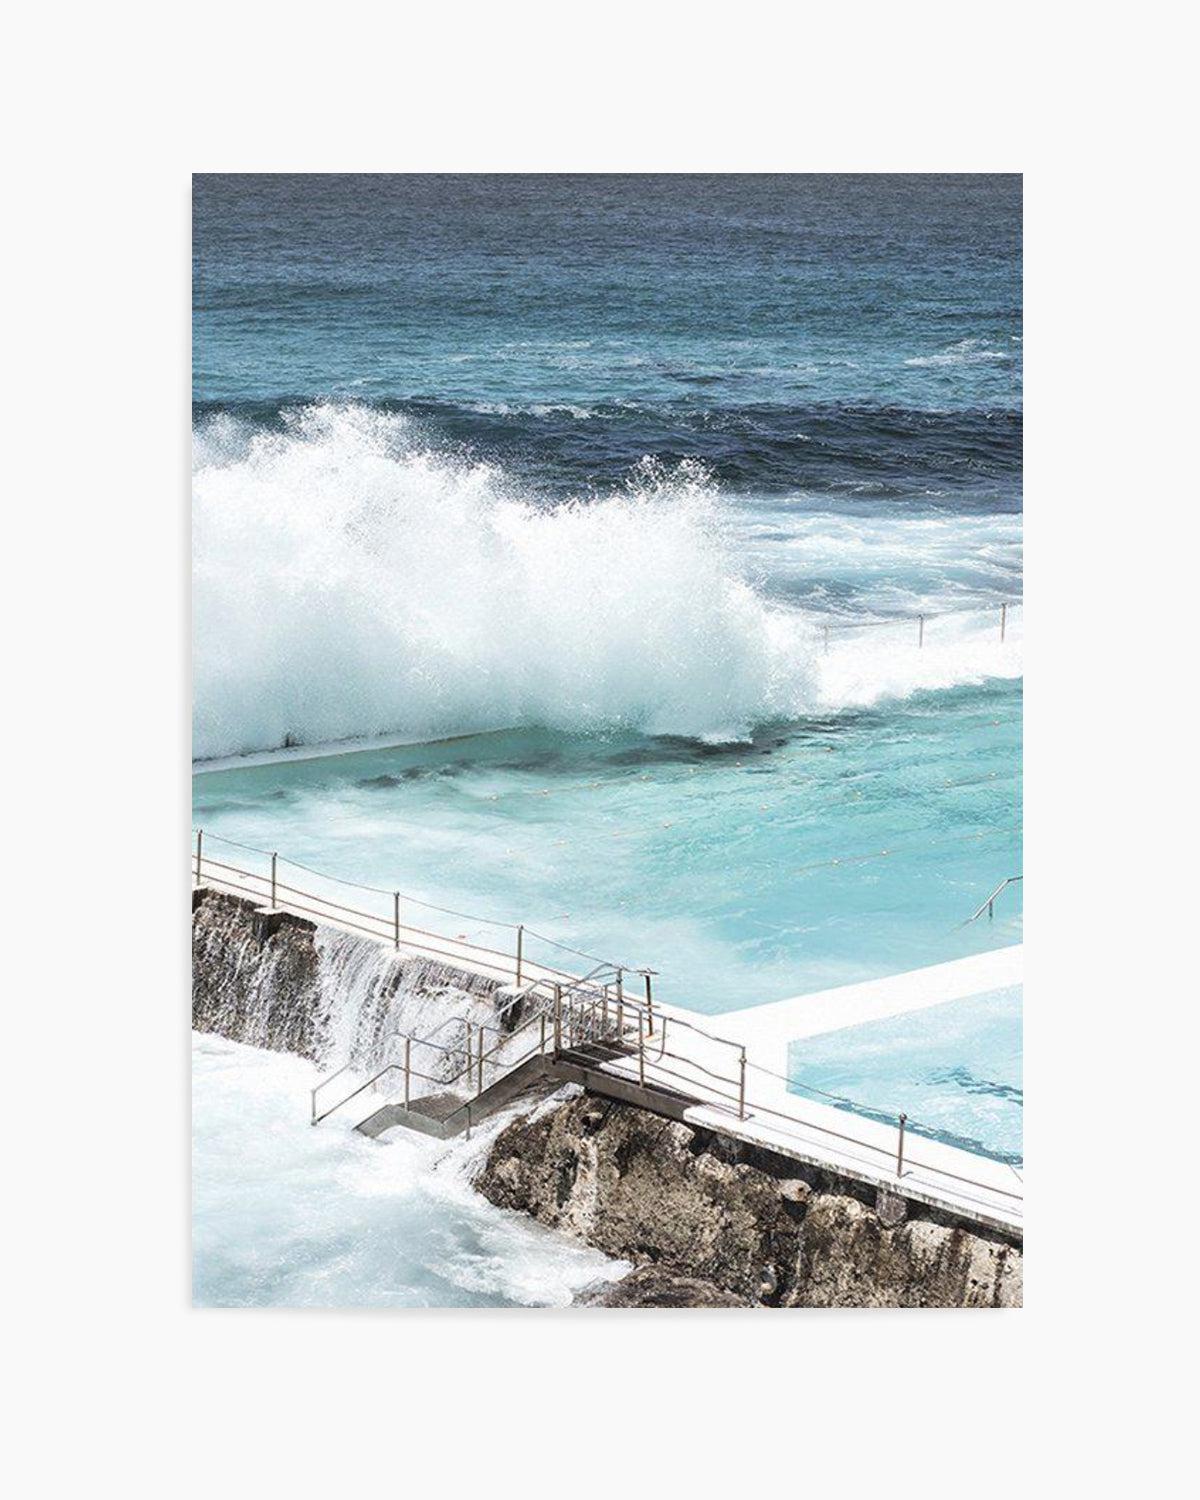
x=954, y=1069
x=812, y=856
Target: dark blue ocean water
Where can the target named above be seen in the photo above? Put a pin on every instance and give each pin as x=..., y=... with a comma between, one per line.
x=850, y=335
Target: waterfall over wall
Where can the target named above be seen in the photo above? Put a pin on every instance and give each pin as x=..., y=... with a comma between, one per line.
x=287, y=984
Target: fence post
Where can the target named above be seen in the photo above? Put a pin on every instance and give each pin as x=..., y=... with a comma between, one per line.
x=649, y=1006
x=920, y=630
x=407, y=1067
x=481, y=1059
x=641, y=1054
x=742, y=1088
x=900, y=1148
x=1003, y=621
x=520, y=946
x=557, y=1019
x=396, y=918
x=542, y=1043
x=467, y=1068
x=274, y=858
x=199, y=852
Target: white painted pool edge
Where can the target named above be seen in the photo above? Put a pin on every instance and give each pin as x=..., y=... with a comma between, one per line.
x=770, y=1029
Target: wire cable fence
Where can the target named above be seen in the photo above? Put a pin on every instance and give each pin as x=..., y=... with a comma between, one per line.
x=633, y=1039
x=1001, y=612
x=603, y=992
x=389, y=917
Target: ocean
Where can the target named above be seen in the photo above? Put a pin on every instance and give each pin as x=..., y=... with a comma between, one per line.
x=624, y=556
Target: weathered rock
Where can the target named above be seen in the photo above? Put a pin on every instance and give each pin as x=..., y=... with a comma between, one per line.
x=849, y=1259
x=254, y=985
x=652, y=1286
x=632, y=1184
x=890, y=1208
x=701, y=1207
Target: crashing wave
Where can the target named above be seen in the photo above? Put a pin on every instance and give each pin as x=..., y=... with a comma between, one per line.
x=353, y=581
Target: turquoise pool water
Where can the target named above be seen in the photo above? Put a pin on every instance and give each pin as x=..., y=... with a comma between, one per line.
x=954, y=1069
x=742, y=873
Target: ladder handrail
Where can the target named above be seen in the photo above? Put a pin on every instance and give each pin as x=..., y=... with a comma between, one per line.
x=732, y=1098
x=987, y=904
x=505, y=1039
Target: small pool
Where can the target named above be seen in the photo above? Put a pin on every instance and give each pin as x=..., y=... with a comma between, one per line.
x=954, y=1069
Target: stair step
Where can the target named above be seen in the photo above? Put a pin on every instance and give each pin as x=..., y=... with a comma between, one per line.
x=444, y=1115
x=437, y=1106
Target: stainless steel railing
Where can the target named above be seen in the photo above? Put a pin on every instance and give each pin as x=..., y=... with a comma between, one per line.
x=830, y=626
x=273, y=885
x=593, y=1014
x=572, y=1009
x=988, y=904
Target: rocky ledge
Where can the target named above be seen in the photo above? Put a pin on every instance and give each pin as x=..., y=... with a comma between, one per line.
x=711, y=1222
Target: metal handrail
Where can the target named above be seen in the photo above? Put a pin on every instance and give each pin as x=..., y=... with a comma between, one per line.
x=618, y=1029
x=989, y=903
x=283, y=896
x=472, y=1064
x=592, y=1012
x=396, y=897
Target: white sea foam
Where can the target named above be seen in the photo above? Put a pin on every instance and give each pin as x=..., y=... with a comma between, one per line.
x=284, y=1215
x=350, y=581
x=964, y=352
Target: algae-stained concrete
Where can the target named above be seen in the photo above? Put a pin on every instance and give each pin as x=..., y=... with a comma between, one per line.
x=735, y=1219
x=280, y=981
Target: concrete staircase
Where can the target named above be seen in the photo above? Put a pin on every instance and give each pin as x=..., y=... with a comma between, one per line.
x=446, y=1114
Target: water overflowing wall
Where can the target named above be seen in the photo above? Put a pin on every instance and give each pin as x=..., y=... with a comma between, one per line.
x=281, y=982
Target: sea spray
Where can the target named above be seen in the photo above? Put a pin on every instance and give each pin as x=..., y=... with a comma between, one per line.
x=352, y=580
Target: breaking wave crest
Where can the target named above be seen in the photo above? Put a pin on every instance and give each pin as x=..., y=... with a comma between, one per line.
x=351, y=580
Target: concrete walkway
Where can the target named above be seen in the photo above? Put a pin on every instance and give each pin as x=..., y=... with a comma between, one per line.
x=984, y=1190
x=767, y=1030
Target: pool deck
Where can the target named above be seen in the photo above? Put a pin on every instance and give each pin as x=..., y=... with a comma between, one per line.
x=932, y=1172
x=769, y=1029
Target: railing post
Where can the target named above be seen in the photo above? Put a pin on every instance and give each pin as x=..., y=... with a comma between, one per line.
x=274, y=859
x=742, y=1088
x=407, y=1067
x=520, y=946
x=481, y=1059
x=641, y=1054
x=467, y=1068
x=199, y=852
x=312, y=1111
x=1003, y=621
x=396, y=918
x=920, y=630
x=542, y=1043
x=900, y=1148
x=557, y=1018
x=649, y=1007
